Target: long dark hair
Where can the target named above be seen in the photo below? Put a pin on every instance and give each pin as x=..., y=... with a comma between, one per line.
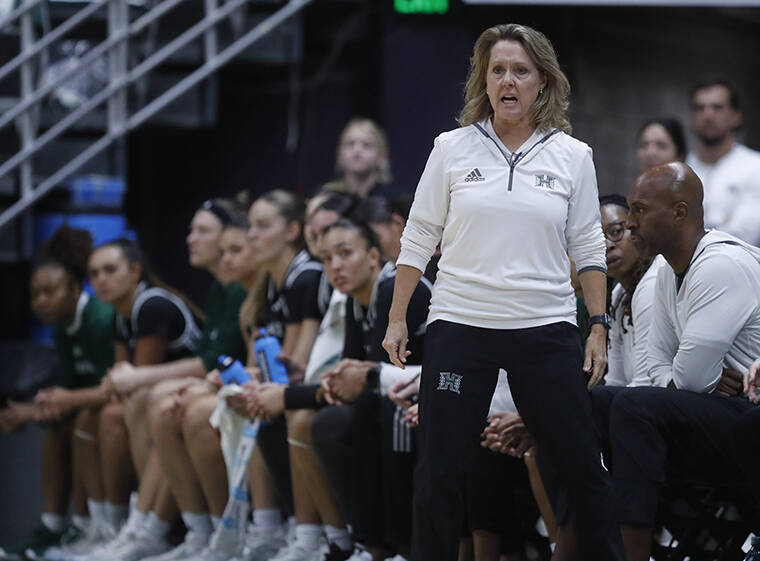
x=639, y=269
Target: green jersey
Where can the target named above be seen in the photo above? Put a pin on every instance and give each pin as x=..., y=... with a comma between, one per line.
x=85, y=348
x=221, y=332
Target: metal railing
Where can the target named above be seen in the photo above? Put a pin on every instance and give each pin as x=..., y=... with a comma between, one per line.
x=120, y=77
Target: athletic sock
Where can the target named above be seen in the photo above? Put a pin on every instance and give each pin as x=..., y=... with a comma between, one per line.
x=116, y=514
x=53, y=522
x=80, y=521
x=267, y=518
x=339, y=536
x=155, y=527
x=308, y=535
x=136, y=519
x=199, y=523
x=97, y=511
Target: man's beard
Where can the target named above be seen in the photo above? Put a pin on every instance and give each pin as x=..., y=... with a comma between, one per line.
x=712, y=140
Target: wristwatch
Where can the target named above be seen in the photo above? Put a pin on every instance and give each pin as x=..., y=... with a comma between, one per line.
x=603, y=319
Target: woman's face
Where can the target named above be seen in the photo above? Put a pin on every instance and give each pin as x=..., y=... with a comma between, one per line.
x=237, y=258
x=348, y=263
x=621, y=255
x=111, y=275
x=316, y=226
x=358, y=152
x=656, y=147
x=389, y=236
x=512, y=82
x=53, y=294
x=203, y=239
x=269, y=233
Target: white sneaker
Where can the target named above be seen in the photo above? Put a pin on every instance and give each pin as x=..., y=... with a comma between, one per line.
x=396, y=557
x=297, y=551
x=143, y=545
x=262, y=545
x=110, y=550
x=190, y=547
x=209, y=554
x=360, y=554
x=94, y=536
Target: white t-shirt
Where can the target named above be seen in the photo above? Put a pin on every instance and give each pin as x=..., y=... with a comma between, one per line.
x=506, y=223
x=712, y=321
x=627, y=354
x=732, y=192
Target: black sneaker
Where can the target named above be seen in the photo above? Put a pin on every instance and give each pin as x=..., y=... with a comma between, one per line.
x=40, y=539
x=335, y=554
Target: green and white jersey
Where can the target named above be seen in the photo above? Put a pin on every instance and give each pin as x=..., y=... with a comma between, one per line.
x=221, y=332
x=85, y=348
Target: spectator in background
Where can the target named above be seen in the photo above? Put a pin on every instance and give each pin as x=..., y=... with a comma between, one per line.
x=660, y=141
x=729, y=171
x=632, y=298
x=362, y=163
x=83, y=332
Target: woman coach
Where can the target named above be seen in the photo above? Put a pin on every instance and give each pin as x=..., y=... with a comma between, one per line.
x=508, y=196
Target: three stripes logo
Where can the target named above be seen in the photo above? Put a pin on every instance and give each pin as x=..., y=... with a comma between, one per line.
x=474, y=175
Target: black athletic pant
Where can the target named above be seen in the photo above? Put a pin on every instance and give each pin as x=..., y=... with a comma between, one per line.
x=656, y=430
x=273, y=444
x=459, y=373
x=331, y=442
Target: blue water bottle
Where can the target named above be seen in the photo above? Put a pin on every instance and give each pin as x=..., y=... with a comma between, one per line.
x=267, y=349
x=231, y=371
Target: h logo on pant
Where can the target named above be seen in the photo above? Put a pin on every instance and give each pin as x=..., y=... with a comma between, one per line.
x=449, y=381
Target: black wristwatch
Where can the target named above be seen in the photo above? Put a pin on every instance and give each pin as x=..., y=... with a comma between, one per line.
x=373, y=378
x=603, y=319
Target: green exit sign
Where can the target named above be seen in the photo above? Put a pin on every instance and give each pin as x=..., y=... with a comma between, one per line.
x=421, y=6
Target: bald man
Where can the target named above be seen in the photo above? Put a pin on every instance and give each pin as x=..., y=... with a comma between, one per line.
x=706, y=320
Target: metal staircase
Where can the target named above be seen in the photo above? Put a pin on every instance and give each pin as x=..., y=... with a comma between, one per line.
x=131, y=44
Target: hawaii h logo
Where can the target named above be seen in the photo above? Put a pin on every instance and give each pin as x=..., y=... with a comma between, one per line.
x=449, y=381
x=545, y=181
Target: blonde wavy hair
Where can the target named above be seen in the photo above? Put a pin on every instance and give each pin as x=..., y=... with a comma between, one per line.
x=549, y=109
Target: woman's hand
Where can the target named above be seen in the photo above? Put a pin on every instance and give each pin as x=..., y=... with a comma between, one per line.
x=124, y=378
x=55, y=399
x=401, y=391
x=396, y=339
x=267, y=401
x=412, y=416
x=596, y=354
x=751, y=382
x=15, y=416
x=241, y=403
x=346, y=381
x=506, y=433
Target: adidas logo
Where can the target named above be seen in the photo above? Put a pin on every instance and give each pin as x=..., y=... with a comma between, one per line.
x=474, y=175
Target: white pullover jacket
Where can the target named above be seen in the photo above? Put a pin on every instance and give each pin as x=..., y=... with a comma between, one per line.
x=506, y=223
x=712, y=320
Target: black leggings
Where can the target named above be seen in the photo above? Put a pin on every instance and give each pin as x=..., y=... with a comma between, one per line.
x=459, y=373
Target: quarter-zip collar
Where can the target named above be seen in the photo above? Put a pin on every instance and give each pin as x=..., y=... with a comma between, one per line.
x=529, y=148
